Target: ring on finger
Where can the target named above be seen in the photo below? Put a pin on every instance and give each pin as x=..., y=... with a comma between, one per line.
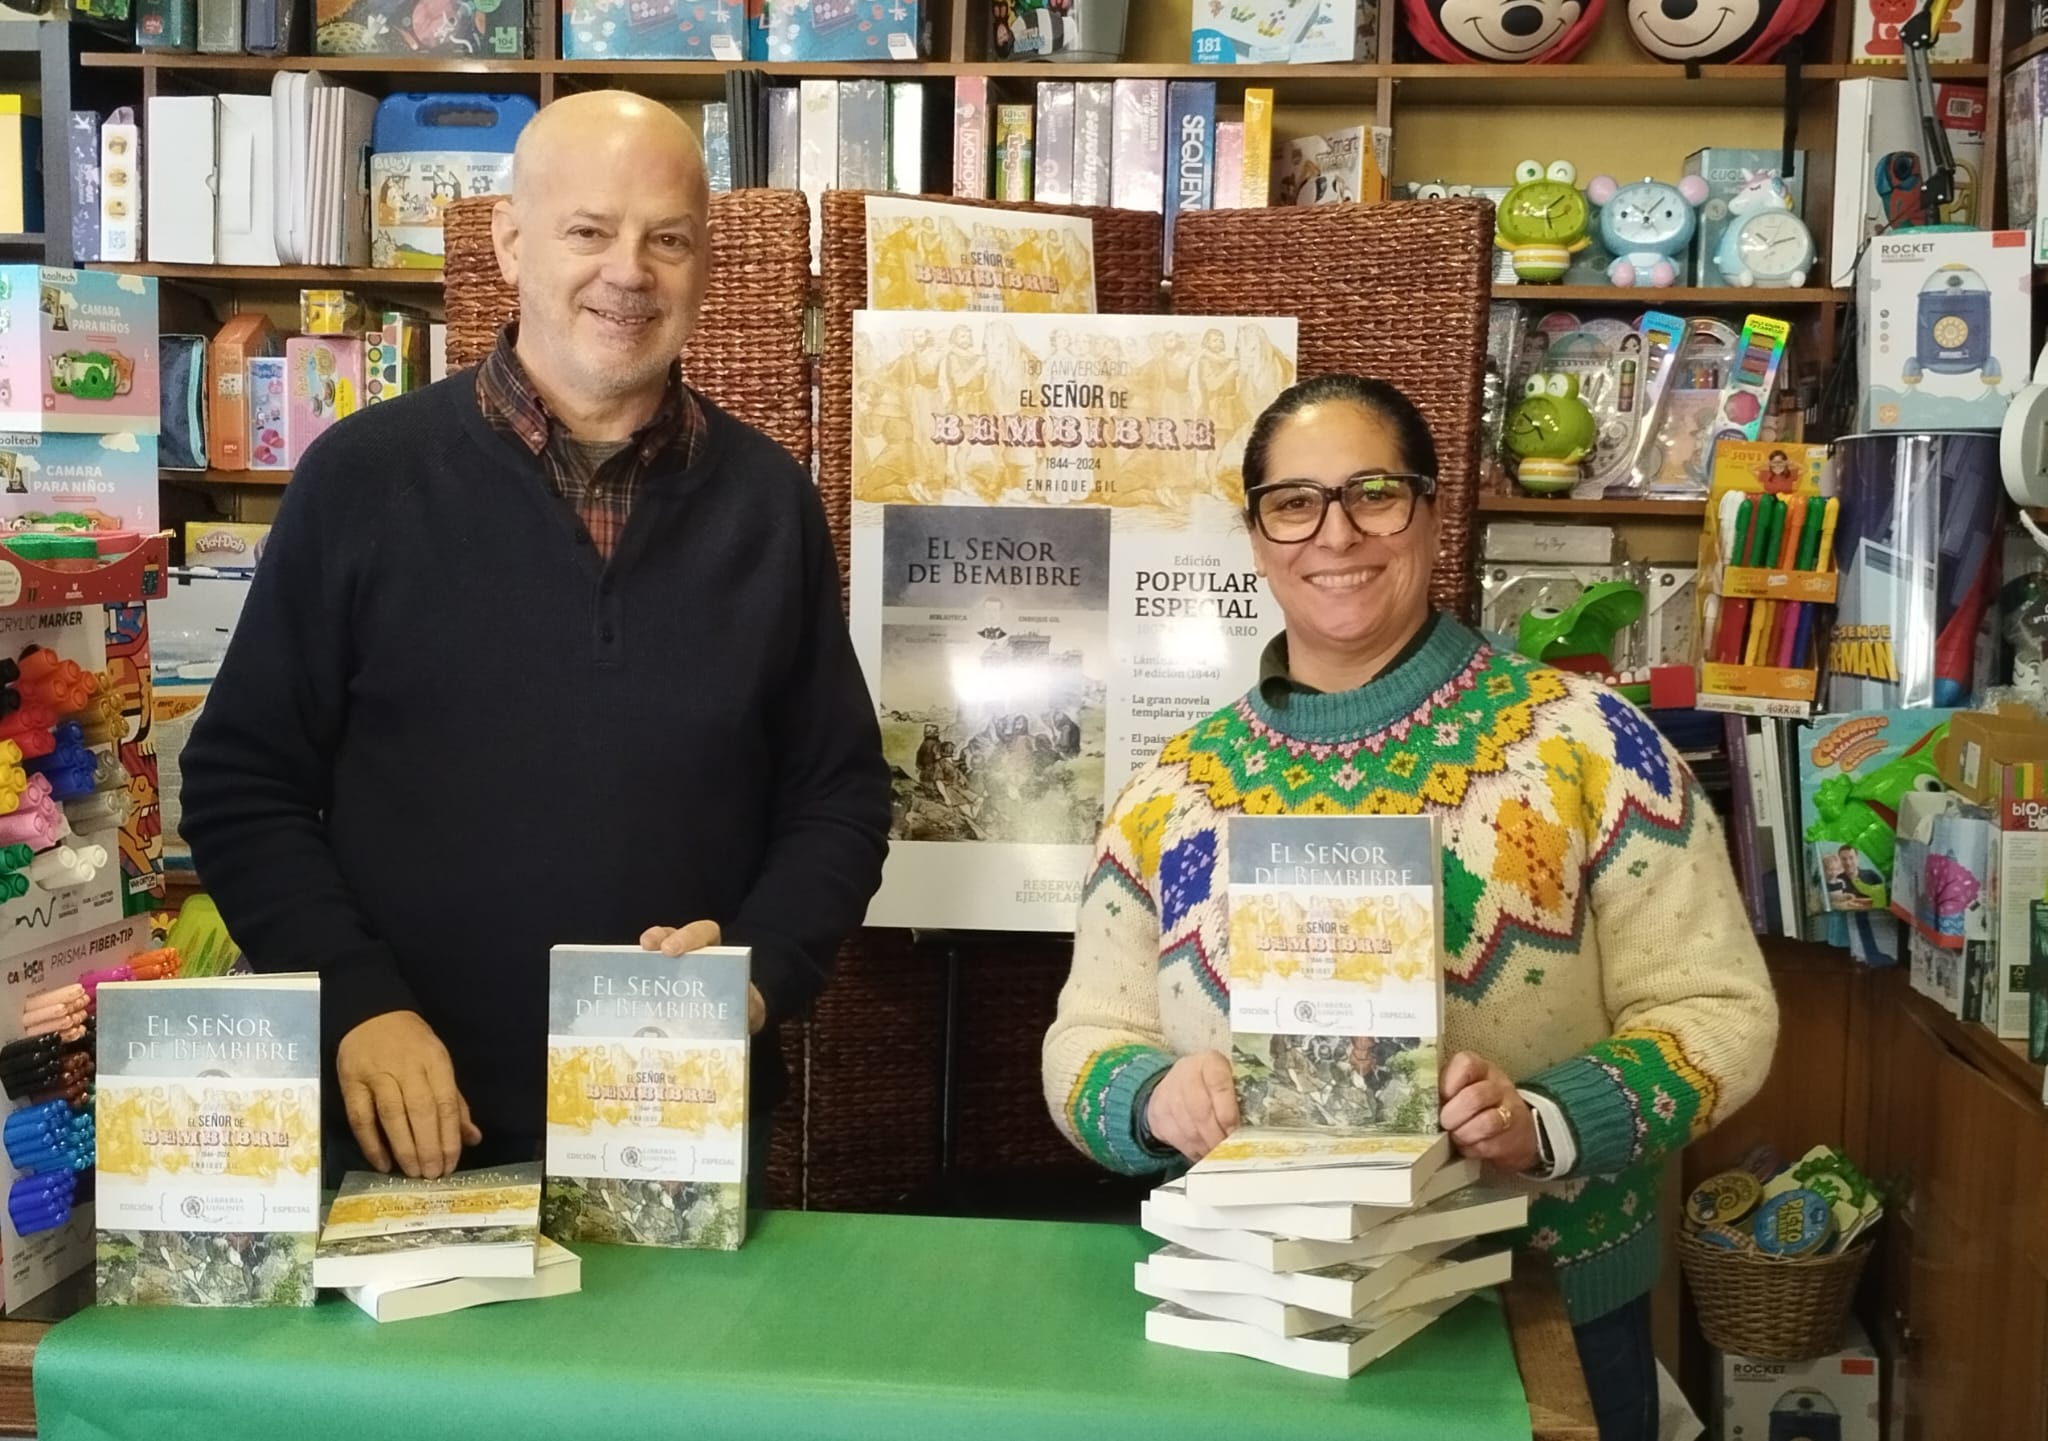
x=1507, y=1117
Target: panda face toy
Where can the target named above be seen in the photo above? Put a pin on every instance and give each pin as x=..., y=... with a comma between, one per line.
x=1701, y=32
x=1507, y=31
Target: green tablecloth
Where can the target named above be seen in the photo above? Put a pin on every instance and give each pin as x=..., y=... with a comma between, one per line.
x=847, y=1327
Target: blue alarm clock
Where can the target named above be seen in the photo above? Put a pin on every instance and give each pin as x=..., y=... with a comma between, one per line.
x=1644, y=225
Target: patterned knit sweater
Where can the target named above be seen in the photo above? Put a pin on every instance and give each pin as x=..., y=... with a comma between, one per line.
x=1597, y=950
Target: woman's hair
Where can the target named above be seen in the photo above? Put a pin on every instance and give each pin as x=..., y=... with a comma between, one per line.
x=1377, y=398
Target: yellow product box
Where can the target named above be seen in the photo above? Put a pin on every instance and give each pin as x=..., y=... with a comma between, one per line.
x=224, y=544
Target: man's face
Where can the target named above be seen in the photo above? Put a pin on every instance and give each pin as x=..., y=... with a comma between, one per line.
x=609, y=253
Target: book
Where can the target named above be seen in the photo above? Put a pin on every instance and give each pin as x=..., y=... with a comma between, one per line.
x=208, y=1141
x=1191, y=151
x=1013, y=152
x=1228, y=190
x=403, y=1231
x=863, y=135
x=1339, y=1292
x=1337, y=1352
x=1094, y=127
x=1256, y=190
x=1450, y=1203
x=784, y=126
x=557, y=1271
x=647, y=1097
x=1398, y=1284
x=1258, y=1166
x=906, y=137
x=1336, y=971
x=1137, y=171
x=1460, y=1216
x=1343, y=167
x=1052, y=180
x=971, y=138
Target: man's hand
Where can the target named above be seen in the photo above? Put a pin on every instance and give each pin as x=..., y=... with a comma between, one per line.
x=681, y=940
x=1194, y=1105
x=398, y=1086
x=1486, y=1115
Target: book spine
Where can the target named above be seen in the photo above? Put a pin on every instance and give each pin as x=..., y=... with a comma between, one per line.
x=1094, y=102
x=784, y=127
x=120, y=191
x=1191, y=144
x=1256, y=190
x=167, y=25
x=1052, y=179
x=1229, y=187
x=1013, y=152
x=863, y=135
x=1742, y=794
x=1377, y=183
x=970, y=137
x=906, y=137
x=84, y=139
x=1137, y=173
x=220, y=27
x=718, y=146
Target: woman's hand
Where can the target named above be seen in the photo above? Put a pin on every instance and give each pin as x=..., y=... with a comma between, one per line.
x=1194, y=1106
x=1486, y=1115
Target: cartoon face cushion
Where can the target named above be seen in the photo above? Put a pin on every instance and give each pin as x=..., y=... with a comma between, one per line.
x=1647, y=217
x=1718, y=32
x=1496, y=32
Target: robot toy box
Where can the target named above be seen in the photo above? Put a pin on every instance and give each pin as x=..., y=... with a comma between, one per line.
x=77, y=351
x=1947, y=328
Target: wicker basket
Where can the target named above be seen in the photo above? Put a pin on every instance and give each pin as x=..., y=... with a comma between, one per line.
x=748, y=352
x=1394, y=291
x=1770, y=1309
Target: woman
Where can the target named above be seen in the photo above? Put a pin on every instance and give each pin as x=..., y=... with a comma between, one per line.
x=1605, y=1000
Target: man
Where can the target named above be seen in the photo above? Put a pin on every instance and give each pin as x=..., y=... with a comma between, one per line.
x=549, y=652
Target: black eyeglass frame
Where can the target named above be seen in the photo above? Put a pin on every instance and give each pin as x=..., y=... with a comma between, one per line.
x=1420, y=488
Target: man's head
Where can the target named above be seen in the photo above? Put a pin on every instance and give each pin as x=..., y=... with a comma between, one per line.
x=604, y=237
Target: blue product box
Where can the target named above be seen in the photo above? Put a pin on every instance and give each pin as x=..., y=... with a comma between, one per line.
x=110, y=479
x=842, y=30
x=654, y=30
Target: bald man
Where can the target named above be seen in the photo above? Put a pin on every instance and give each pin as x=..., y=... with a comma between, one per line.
x=548, y=652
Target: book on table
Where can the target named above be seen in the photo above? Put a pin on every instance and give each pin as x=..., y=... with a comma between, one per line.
x=389, y=1231
x=1303, y=1304
x=1337, y=1352
x=1311, y=1221
x=1472, y=1211
x=557, y=1271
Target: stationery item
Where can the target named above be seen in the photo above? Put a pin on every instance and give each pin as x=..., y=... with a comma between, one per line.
x=121, y=187
x=1746, y=395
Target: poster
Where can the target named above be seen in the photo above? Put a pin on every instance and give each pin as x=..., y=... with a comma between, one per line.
x=927, y=255
x=1050, y=579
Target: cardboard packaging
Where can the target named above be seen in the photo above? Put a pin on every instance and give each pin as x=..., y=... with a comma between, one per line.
x=401, y=27
x=1876, y=119
x=1074, y=31
x=394, y=357
x=654, y=30
x=1293, y=32
x=110, y=480
x=1726, y=172
x=841, y=30
x=2026, y=108
x=324, y=384
x=224, y=544
x=269, y=445
x=1878, y=24
x=1137, y=171
x=121, y=187
x=972, y=137
x=1947, y=333
x=1834, y=1397
x=241, y=339
x=1980, y=744
x=182, y=163
x=78, y=351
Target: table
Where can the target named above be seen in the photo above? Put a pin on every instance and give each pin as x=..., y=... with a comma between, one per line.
x=897, y=1325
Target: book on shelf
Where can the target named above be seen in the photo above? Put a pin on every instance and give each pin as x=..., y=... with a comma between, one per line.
x=647, y=1097
x=557, y=1271
x=1337, y=1352
x=1302, y=1304
x=387, y=1231
x=1460, y=1216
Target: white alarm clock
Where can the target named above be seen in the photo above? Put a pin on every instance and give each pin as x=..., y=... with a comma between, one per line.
x=1766, y=243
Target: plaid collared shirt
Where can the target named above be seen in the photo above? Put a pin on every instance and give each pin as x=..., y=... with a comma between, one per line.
x=600, y=488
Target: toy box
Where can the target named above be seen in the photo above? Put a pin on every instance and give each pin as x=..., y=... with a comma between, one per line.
x=1832, y=1399
x=394, y=357
x=654, y=30
x=429, y=151
x=2026, y=107
x=1947, y=328
x=1067, y=30
x=843, y=29
x=1878, y=143
x=1727, y=171
x=224, y=544
x=77, y=350
x=419, y=27
x=323, y=384
x=1878, y=24
x=269, y=448
x=108, y=482
x=242, y=336
x=1290, y=32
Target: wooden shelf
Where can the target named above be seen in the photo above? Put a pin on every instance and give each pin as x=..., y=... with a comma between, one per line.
x=226, y=477
x=369, y=64
x=2020, y=55
x=1944, y=72
x=1560, y=506
x=288, y=275
x=1593, y=83
x=1754, y=298
x=32, y=237
x=1984, y=1050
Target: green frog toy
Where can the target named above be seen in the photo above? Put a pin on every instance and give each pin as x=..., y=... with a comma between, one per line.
x=1549, y=432
x=1542, y=221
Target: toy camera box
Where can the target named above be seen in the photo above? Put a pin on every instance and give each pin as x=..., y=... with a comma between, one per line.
x=108, y=481
x=1284, y=32
x=1947, y=328
x=1834, y=1398
x=77, y=351
x=654, y=30
x=1727, y=172
x=420, y=27
x=843, y=29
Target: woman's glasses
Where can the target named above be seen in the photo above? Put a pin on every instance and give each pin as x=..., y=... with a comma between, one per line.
x=1288, y=512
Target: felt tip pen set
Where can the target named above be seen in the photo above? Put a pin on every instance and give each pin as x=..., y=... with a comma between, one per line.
x=1768, y=578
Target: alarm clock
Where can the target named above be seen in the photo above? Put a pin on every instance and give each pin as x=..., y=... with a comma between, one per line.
x=1770, y=247
x=1644, y=225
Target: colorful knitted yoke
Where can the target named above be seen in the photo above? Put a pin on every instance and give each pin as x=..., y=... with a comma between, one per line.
x=1597, y=949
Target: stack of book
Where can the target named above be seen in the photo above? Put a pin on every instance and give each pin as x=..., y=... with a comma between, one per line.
x=401, y=1248
x=1334, y=1223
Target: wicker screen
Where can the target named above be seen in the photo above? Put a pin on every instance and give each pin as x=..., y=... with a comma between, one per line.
x=748, y=352
x=1398, y=292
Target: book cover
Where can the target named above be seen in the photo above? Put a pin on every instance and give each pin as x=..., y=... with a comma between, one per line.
x=784, y=126
x=863, y=135
x=208, y=1141
x=906, y=137
x=1052, y=180
x=971, y=137
x=1337, y=1352
x=1137, y=171
x=1396, y=1285
x=1437, y=1217
x=404, y=1231
x=1336, y=973
x=1094, y=129
x=929, y=255
x=647, y=1097
x=718, y=146
x=1013, y=152
x=1191, y=148
x=557, y=1271
x=1257, y=188
x=1258, y=1165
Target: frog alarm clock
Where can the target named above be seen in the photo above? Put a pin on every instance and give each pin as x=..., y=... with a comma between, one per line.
x=1645, y=225
x=1765, y=242
x=1549, y=432
x=1542, y=221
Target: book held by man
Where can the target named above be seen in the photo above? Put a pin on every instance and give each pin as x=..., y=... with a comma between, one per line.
x=647, y=1097
x=392, y=1231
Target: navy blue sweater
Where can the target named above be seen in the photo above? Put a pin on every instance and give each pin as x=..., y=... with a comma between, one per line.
x=448, y=735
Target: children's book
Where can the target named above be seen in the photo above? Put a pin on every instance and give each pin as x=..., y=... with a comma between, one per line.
x=387, y=1231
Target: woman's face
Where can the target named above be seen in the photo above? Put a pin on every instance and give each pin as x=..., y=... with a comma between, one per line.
x=1344, y=593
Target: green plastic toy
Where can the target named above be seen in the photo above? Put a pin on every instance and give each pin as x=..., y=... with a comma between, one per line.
x=1542, y=221
x=1549, y=432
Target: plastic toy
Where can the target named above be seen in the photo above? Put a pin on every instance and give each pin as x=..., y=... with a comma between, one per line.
x=1542, y=221
x=1952, y=334
x=1584, y=630
x=1765, y=243
x=1645, y=225
x=1549, y=433
x=1863, y=811
x=1539, y=32
x=1734, y=31
x=91, y=374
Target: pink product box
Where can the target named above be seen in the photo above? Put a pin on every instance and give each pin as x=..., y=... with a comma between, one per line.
x=268, y=449
x=323, y=384
x=78, y=351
